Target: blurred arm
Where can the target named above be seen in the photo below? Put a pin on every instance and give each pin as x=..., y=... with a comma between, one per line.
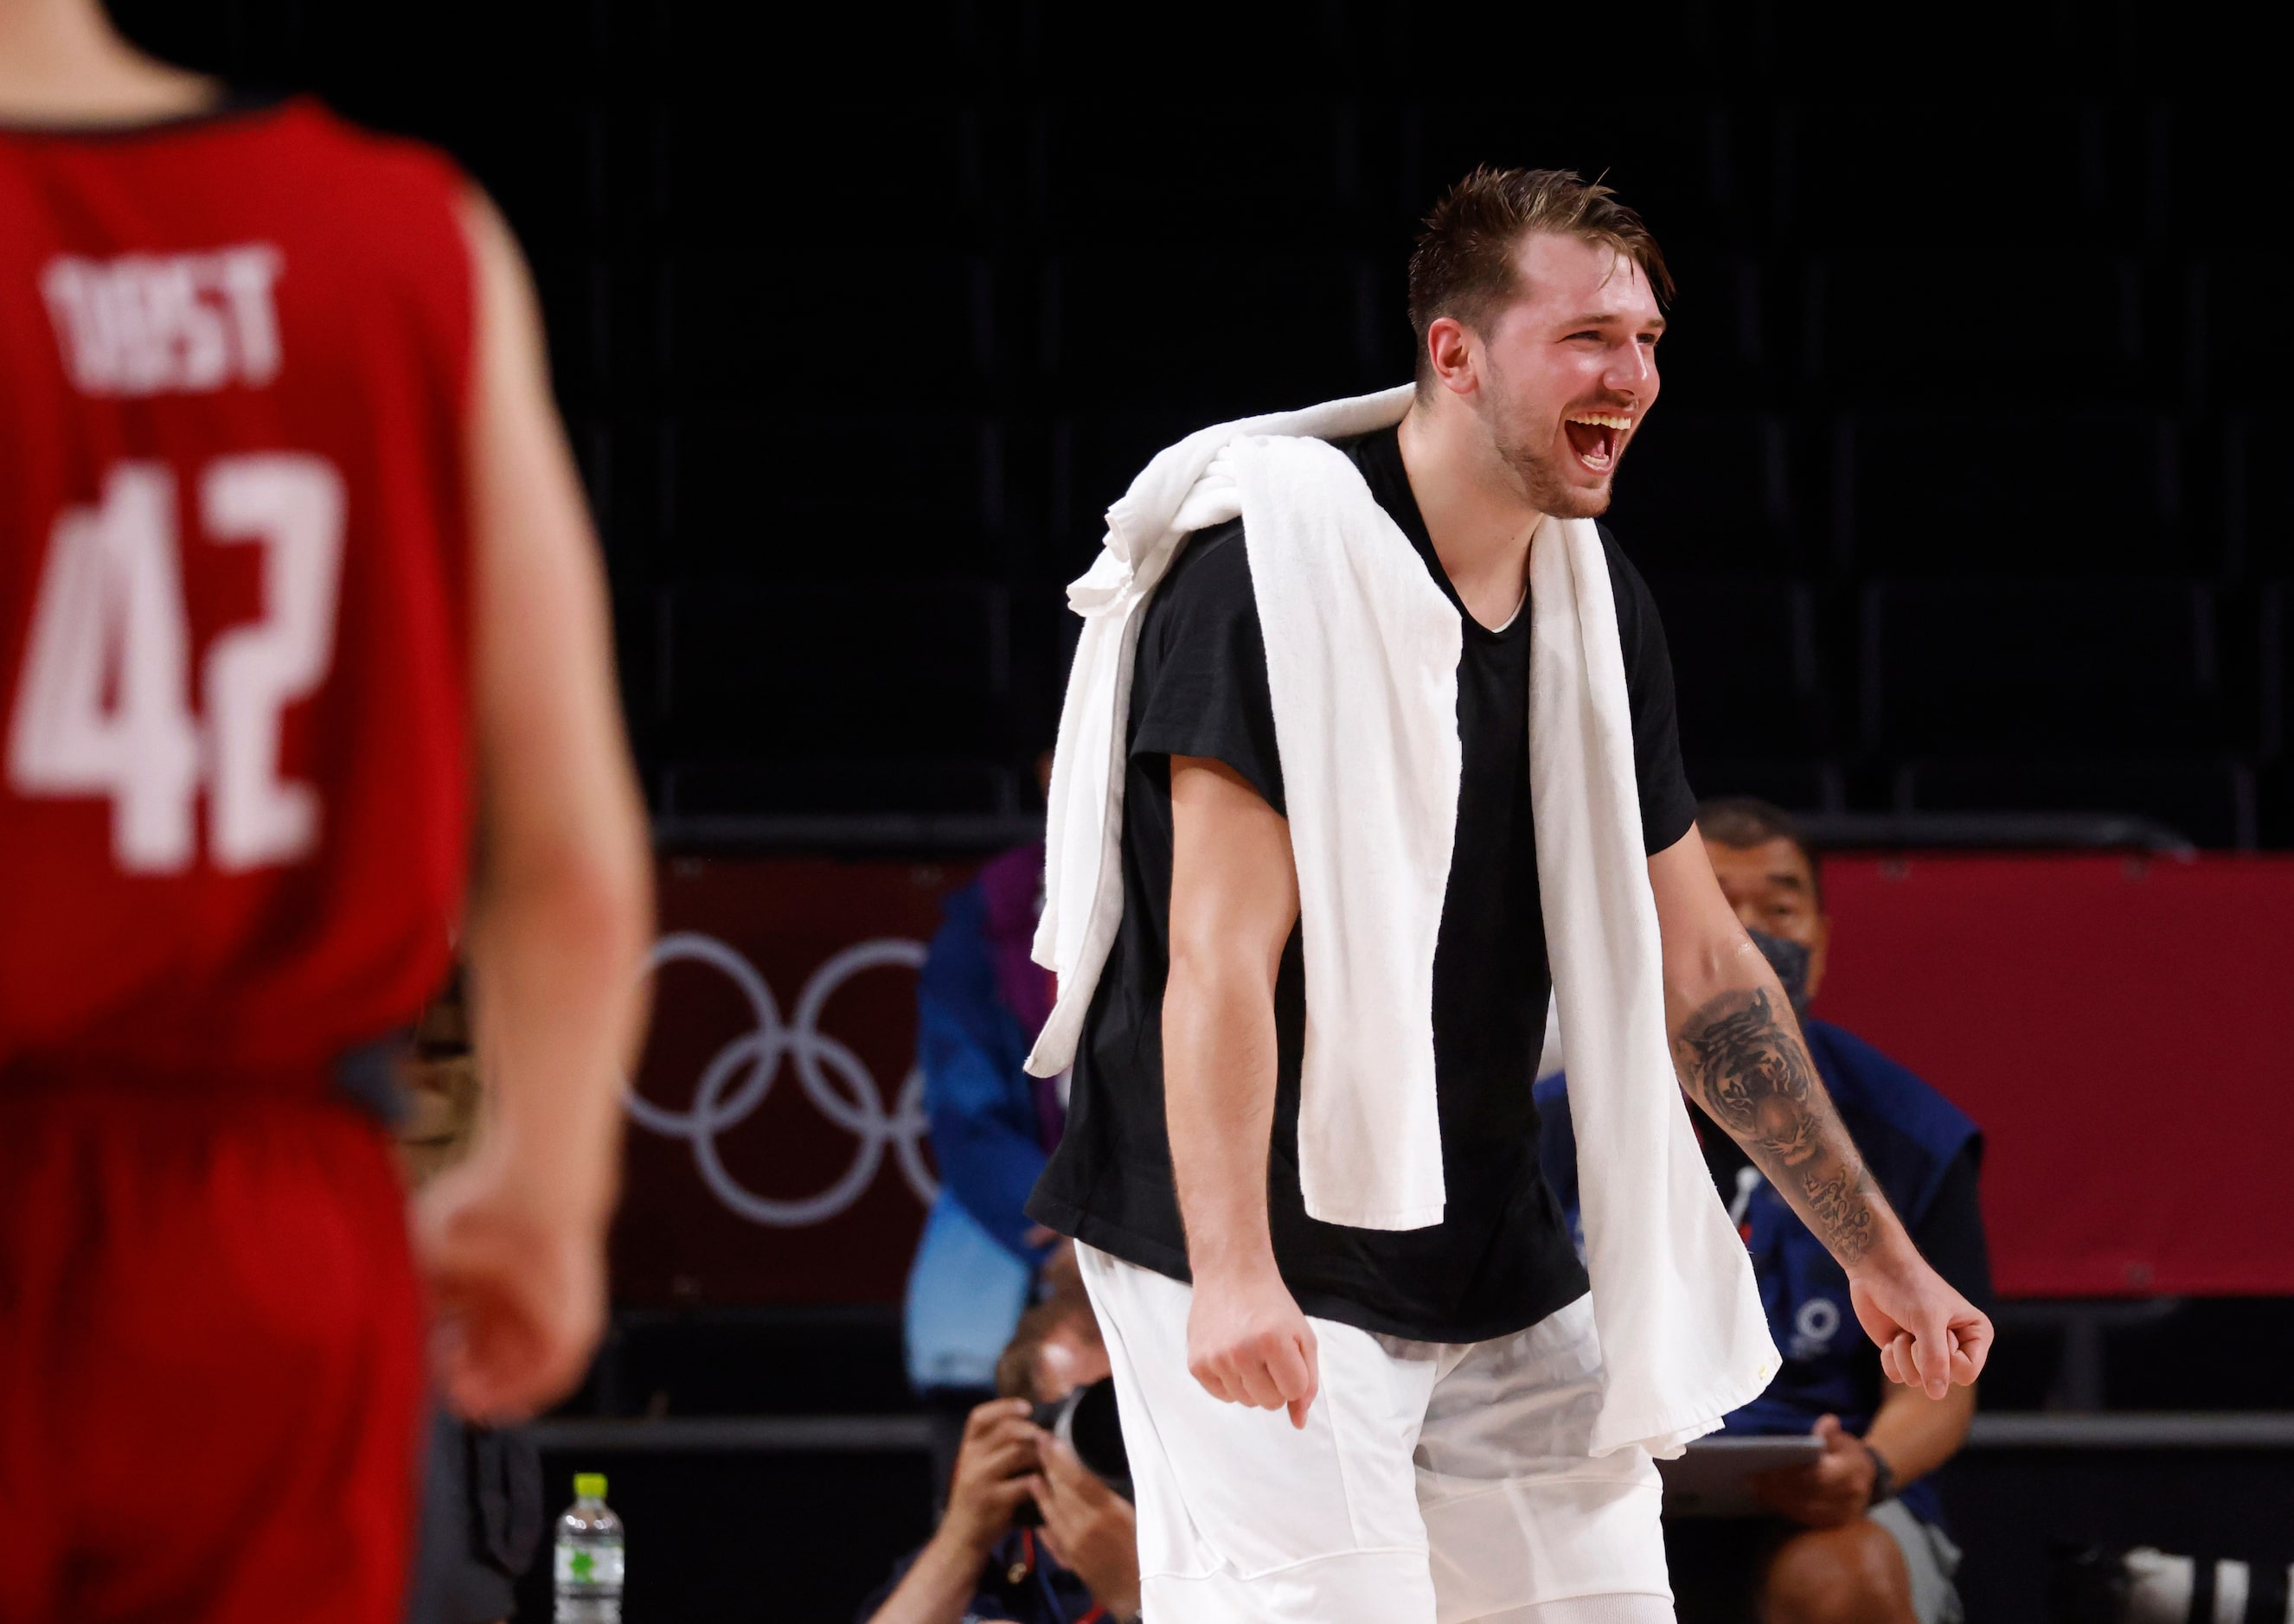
x=561, y=900
x=938, y=1588
x=561, y=909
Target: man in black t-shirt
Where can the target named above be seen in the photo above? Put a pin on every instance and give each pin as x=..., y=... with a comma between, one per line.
x=1440, y=1383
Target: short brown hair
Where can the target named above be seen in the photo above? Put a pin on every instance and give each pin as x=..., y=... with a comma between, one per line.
x=1741, y=821
x=1463, y=265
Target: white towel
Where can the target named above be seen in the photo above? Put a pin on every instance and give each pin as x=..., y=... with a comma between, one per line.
x=1683, y=1337
x=1362, y=665
x=1083, y=846
x=1361, y=652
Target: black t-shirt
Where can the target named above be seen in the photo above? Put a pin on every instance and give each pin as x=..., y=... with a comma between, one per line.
x=1501, y=1258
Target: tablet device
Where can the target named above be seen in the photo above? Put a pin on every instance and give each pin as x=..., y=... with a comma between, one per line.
x=1708, y=1481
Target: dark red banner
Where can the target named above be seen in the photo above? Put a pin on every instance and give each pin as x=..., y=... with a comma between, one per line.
x=2117, y=1024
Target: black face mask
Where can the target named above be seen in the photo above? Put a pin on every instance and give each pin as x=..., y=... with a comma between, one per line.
x=1789, y=960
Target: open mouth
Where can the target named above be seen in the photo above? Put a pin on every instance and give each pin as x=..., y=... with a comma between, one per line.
x=1597, y=437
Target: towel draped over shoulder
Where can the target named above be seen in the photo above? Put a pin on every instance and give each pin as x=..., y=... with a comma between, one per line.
x=1362, y=656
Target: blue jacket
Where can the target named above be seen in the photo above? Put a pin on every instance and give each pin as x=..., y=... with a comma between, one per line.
x=1909, y=1136
x=979, y=1001
x=985, y=1131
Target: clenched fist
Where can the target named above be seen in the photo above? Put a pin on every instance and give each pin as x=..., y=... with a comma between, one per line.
x=1247, y=1344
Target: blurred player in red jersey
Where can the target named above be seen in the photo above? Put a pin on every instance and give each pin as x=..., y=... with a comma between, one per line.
x=297, y=595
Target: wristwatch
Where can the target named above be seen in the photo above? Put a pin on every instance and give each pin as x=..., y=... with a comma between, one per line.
x=1884, y=1478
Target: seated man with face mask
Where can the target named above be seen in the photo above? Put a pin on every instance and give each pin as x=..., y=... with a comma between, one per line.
x=1857, y=1537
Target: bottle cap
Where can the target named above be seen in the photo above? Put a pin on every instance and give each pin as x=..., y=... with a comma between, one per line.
x=589, y=1485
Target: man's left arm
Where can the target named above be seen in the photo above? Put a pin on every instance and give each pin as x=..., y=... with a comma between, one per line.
x=1914, y=1433
x=1741, y=1057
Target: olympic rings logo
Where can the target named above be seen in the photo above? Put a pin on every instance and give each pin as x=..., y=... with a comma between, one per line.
x=838, y=1084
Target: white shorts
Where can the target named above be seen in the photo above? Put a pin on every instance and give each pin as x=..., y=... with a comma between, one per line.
x=1434, y=1482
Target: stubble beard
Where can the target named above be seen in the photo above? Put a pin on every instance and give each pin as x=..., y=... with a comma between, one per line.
x=1543, y=481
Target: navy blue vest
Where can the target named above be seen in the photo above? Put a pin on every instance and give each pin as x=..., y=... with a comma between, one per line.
x=1909, y=1136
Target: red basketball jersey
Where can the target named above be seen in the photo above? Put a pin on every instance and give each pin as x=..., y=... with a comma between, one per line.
x=235, y=354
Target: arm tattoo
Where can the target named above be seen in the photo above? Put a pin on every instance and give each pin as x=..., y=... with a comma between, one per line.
x=1840, y=1200
x=1753, y=1072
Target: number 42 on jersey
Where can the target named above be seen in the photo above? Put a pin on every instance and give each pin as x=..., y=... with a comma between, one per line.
x=105, y=705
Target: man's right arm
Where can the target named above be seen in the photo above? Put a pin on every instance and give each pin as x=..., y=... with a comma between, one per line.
x=1234, y=901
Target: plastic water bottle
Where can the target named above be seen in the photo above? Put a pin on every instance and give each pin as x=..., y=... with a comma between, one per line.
x=588, y=1564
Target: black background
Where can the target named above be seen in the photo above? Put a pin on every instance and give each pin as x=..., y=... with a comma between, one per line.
x=1963, y=495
